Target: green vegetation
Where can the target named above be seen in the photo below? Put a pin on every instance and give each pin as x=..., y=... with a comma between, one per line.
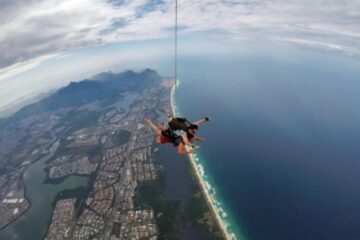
x=95, y=154
x=80, y=193
x=150, y=194
x=82, y=119
x=116, y=229
x=121, y=136
x=110, y=100
x=65, y=148
x=198, y=213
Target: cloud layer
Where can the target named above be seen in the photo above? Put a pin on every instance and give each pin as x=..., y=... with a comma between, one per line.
x=34, y=30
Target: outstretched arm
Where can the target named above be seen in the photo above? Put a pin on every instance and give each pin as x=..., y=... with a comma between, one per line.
x=201, y=121
x=199, y=139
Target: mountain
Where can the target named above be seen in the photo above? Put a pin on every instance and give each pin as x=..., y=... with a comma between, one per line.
x=99, y=87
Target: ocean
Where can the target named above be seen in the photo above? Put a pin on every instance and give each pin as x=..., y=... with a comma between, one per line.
x=282, y=149
x=281, y=152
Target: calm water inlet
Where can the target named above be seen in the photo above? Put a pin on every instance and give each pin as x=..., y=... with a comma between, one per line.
x=33, y=224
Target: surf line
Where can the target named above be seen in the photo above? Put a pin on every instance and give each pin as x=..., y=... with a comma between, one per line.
x=208, y=191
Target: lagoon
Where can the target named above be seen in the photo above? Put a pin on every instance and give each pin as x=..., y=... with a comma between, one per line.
x=33, y=224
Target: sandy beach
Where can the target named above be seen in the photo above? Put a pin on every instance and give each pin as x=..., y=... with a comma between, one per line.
x=209, y=199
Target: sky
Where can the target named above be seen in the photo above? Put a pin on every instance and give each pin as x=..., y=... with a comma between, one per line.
x=40, y=40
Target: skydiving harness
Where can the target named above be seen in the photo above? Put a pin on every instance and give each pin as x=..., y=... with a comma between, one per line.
x=176, y=126
x=178, y=123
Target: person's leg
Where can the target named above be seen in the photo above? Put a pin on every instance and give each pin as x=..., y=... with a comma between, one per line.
x=182, y=150
x=155, y=128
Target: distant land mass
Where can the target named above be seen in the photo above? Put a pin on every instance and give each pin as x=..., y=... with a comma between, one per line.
x=12, y=108
x=80, y=164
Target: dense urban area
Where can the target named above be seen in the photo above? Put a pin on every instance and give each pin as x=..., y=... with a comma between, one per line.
x=99, y=133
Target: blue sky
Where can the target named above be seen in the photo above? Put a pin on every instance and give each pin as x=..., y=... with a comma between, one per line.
x=38, y=38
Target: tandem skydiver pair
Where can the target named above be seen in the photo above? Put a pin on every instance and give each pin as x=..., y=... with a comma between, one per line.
x=180, y=132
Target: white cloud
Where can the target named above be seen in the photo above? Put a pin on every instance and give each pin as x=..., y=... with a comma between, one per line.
x=34, y=29
x=52, y=27
x=20, y=67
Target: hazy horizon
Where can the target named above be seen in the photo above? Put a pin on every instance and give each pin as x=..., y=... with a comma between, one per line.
x=60, y=71
x=45, y=44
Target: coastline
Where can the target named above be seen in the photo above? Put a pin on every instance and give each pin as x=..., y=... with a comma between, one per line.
x=25, y=197
x=12, y=221
x=7, y=231
x=211, y=202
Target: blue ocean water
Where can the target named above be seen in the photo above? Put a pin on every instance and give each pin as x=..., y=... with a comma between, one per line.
x=282, y=149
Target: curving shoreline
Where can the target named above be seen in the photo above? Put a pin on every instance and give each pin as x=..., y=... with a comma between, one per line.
x=12, y=221
x=38, y=209
x=26, y=197
x=210, y=201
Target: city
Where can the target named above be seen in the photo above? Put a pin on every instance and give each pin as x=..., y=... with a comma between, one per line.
x=104, y=139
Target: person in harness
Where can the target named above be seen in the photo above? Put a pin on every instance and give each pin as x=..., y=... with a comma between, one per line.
x=180, y=133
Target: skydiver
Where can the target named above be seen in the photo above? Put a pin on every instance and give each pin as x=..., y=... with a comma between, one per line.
x=180, y=133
